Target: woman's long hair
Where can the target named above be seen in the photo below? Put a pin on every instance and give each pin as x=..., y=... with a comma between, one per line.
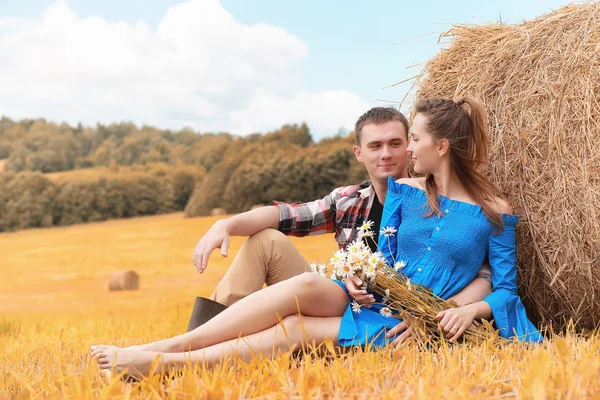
x=463, y=123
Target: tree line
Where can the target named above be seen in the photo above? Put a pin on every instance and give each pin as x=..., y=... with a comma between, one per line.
x=120, y=171
x=38, y=145
x=31, y=199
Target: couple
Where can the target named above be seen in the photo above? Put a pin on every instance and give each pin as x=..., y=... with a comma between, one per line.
x=448, y=223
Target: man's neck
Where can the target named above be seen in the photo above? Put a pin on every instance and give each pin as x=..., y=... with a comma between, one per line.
x=381, y=186
x=380, y=190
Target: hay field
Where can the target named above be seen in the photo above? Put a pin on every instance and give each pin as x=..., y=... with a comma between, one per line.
x=54, y=304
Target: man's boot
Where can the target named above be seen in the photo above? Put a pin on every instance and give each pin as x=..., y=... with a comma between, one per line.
x=204, y=310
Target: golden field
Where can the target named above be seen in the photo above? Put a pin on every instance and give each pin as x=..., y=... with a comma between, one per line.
x=54, y=304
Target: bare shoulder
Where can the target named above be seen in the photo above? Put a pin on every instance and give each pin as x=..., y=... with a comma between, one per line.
x=501, y=206
x=418, y=183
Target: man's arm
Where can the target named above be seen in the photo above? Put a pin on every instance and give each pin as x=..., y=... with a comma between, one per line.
x=244, y=224
x=475, y=291
x=299, y=219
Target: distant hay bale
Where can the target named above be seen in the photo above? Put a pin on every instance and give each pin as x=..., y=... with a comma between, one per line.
x=217, y=212
x=124, y=280
x=540, y=82
x=254, y=207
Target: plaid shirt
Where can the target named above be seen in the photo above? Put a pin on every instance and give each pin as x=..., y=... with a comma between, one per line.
x=342, y=211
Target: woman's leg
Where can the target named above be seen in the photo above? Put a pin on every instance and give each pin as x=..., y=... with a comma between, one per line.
x=309, y=294
x=296, y=331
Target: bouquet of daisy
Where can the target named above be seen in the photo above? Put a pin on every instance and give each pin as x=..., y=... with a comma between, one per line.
x=413, y=303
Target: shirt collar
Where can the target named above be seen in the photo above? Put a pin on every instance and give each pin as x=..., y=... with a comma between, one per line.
x=366, y=189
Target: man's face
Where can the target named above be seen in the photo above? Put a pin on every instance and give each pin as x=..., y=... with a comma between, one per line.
x=382, y=150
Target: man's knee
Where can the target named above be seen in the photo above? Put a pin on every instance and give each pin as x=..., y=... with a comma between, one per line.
x=265, y=237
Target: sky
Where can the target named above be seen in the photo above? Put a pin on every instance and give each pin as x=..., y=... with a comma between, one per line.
x=239, y=66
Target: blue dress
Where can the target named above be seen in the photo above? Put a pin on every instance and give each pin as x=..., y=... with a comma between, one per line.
x=444, y=254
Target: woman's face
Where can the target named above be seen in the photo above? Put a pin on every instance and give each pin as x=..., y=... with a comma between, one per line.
x=422, y=147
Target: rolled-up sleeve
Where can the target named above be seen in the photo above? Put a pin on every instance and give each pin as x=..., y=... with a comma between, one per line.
x=508, y=312
x=313, y=218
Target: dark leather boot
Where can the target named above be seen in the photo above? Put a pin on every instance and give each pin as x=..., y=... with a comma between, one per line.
x=204, y=310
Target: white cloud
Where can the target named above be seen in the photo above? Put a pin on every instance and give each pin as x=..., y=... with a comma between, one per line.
x=199, y=67
x=327, y=111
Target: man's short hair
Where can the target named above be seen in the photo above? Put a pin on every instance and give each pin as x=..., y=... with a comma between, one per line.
x=379, y=115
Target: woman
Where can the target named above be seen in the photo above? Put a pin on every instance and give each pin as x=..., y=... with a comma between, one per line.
x=442, y=247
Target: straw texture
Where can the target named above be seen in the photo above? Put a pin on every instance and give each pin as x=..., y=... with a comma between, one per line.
x=540, y=83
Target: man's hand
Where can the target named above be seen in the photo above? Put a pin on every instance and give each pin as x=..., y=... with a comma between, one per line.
x=455, y=321
x=353, y=284
x=217, y=236
x=402, y=326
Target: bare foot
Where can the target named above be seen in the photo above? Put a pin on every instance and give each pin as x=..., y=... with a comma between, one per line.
x=142, y=347
x=133, y=362
x=96, y=350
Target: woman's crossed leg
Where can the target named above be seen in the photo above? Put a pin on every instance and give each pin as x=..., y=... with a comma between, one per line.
x=248, y=326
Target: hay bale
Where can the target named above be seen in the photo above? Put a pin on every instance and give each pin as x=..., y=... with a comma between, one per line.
x=540, y=82
x=124, y=280
x=217, y=212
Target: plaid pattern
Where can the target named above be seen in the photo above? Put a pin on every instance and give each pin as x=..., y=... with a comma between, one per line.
x=342, y=212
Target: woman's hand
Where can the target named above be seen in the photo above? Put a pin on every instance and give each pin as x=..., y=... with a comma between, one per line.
x=455, y=321
x=402, y=326
x=353, y=284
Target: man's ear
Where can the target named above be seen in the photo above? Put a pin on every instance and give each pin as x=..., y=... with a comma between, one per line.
x=443, y=147
x=356, y=151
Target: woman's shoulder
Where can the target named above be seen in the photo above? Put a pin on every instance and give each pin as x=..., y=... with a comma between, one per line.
x=418, y=183
x=412, y=188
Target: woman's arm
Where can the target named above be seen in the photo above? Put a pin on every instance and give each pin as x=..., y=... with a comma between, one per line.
x=455, y=321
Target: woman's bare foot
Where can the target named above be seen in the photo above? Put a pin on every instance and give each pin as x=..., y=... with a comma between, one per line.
x=133, y=362
x=158, y=347
x=95, y=350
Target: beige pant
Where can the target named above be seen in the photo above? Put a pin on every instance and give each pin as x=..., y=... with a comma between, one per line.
x=266, y=257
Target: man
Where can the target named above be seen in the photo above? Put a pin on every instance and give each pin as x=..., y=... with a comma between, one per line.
x=268, y=257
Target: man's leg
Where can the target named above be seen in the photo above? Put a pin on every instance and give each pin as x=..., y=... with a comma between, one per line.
x=266, y=257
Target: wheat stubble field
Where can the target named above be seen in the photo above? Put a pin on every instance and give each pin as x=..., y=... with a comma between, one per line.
x=54, y=304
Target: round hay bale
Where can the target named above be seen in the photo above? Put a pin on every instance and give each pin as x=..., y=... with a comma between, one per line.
x=217, y=212
x=124, y=280
x=540, y=82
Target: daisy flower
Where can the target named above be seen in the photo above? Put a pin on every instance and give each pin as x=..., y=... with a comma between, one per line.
x=388, y=231
x=345, y=270
x=322, y=270
x=355, y=307
x=366, y=226
x=399, y=265
x=374, y=259
x=386, y=297
x=356, y=247
x=364, y=255
x=338, y=256
x=386, y=312
x=371, y=271
x=365, y=234
x=313, y=267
